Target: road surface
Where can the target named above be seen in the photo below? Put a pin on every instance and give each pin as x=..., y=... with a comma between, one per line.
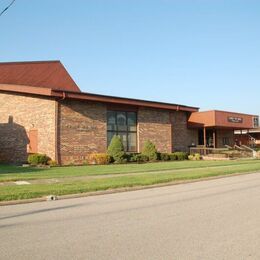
x=215, y=219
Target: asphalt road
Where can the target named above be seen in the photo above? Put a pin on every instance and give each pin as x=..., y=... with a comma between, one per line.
x=216, y=219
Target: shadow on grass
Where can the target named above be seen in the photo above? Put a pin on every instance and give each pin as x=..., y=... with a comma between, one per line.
x=5, y=169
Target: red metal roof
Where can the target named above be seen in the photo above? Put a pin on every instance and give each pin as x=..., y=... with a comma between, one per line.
x=45, y=74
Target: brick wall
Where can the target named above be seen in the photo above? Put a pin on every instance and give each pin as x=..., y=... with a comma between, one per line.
x=155, y=125
x=182, y=137
x=82, y=130
x=20, y=114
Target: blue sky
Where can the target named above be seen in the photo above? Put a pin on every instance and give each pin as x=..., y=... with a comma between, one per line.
x=202, y=53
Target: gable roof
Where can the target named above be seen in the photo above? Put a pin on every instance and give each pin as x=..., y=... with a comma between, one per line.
x=45, y=74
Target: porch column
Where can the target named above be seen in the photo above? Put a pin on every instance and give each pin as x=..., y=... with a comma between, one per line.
x=205, y=139
x=214, y=138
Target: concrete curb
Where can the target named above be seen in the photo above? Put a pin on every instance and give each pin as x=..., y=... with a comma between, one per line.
x=118, y=190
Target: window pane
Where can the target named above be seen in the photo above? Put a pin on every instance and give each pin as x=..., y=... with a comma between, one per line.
x=256, y=122
x=121, y=121
x=131, y=121
x=132, y=128
x=109, y=137
x=226, y=141
x=111, y=121
x=132, y=142
x=131, y=116
x=123, y=137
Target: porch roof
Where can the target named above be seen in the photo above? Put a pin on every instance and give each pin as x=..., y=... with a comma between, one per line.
x=221, y=119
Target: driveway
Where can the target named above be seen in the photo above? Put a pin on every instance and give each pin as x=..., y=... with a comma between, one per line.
x=214, y=219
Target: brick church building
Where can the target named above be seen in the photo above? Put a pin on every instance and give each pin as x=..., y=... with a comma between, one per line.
x=42, y=110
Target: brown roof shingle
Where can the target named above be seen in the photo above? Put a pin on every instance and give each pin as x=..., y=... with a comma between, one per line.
x=46, y=74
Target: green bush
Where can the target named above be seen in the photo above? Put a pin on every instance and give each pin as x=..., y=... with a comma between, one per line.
x=131, y=157
x=163, y=156
x=150, y=151
x=116, y=150
x=173, y=157
x=194, y=157
x=98, y=158
x=140, y=158
x=191, y=157
x=38, y=159
x=52, y=163
x=181, y=156
x=197, y=156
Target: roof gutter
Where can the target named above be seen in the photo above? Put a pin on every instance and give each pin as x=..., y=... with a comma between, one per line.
x=61, y=95
x=123, y=101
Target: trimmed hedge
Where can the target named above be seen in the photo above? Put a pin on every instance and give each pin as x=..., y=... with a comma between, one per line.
x=173, y=157
x=136, y=157
x=98, y=158
x=139, y=157
x=181, y=156
x=164, y=156
x=38, y=159
x=195, y=157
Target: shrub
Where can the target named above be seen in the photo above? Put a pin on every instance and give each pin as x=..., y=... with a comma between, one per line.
x=191, y=157
x=173, y=157
x=181, y=156
x=131, y=157
x=197, y=156
x=116, y=150
x=38, y=159
x=52, y=163
x=140, y=158
x=98, y=158
x=150, y=151
x=164, y=156
x=85, y=162
x=194, y=157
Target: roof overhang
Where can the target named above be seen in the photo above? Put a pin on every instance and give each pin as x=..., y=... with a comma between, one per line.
x=61, y=95
x=221, y=119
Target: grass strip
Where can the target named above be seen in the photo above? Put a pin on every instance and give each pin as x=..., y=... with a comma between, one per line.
x=15, y=173
x=39, y=190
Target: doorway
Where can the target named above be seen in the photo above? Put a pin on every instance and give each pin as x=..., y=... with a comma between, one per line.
x=209, y=137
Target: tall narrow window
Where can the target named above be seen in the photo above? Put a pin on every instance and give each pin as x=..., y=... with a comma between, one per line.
x=123, y=124
x=256, y=122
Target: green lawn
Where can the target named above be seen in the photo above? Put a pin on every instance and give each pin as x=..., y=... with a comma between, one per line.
x=14, y=173
x=137, y=175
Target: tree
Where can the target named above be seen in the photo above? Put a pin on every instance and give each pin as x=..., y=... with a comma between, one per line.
x=116, y=149
x=150, y=151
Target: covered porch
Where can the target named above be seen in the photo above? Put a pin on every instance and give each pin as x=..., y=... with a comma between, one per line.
x=216, y=129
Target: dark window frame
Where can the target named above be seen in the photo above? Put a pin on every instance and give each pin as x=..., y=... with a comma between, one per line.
x=226, y=140
x=256, y=122
x=127, y=131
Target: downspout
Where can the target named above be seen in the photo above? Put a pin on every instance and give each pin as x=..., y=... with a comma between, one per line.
x=172, y=128
x=57, y=128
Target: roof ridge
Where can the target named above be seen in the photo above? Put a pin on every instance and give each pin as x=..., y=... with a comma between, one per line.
x=29, y=62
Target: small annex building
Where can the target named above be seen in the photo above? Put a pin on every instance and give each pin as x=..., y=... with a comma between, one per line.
x=42, y=110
